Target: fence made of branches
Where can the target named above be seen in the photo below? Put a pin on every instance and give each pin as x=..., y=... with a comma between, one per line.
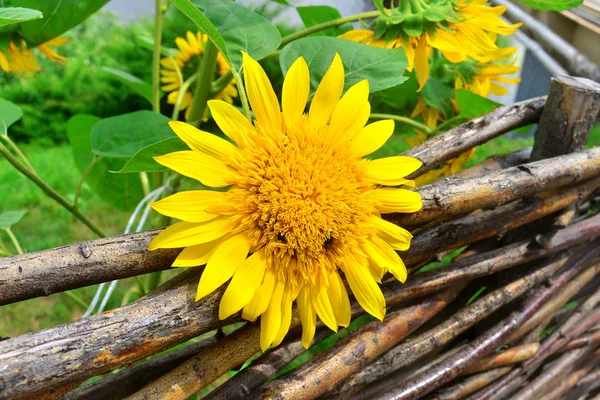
x=529, y=223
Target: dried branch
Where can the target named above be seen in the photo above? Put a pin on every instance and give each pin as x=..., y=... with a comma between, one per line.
x=511, y=356
x=50, y=271
x=587, y=340
x=452, y=196
x=450, y=144
x=469, y=385
x=319, y=374
x=129, y=381
x=406, y=353
x=496, y=163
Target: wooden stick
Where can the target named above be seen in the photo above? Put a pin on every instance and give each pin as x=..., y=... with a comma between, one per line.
x=587, y=340
x=469, y=385
x=450, y=144
x=511, y=356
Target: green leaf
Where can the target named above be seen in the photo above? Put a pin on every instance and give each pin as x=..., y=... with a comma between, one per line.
x=60, y=16
x=126, y=134
x=15, y=15
x=123, y=191
x=471, y=105
x=9, y=114
x=233, y=28
x=139, y=86
x=383, y=68
x=314, y=15
x=9, y=218
x=284, y=2
x=143, y=160
x=437, y=95
x=552, y=5
x=148, y=43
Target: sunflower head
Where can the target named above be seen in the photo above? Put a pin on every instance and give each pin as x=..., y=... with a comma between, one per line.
x=19, y=59
x=302, y=207
x=182, y=67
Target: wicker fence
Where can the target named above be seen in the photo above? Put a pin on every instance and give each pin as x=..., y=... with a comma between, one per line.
x=531, y=221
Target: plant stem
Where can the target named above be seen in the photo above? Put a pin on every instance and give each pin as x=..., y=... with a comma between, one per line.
x=48, y=190
x=182, y=91
x=442, y=127
x=328, y=24
x=87, y=171
x=206, y=71
x=158, y=22
x=242, y=93
x=19, y=153
x=217, y=86
x=13, y=238
x=4, y=250
x=405, y=120
x=76, y=299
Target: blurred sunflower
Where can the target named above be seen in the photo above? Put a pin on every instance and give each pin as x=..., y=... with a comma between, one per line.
x=19, y=59
x=466, y=29
x=302, y=206
x=184, y=64
x=487, y=79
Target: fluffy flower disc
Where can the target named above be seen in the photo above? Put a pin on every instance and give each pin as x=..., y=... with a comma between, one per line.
x=302, y=207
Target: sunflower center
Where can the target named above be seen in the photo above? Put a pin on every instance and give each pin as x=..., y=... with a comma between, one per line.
x=301, y=196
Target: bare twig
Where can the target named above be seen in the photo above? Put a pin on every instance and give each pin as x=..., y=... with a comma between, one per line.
x=469, y=385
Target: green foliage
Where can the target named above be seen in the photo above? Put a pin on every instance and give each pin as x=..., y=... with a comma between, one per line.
x=143, y=160
x=9, y=114
x=552, y=5
x=80, y=86
x=15, y=15
x=382, y=67
x=472, y=105
x=9, y=218
x=122, y=191
x=314, y=15
x=59, y=17
x=437, y=95
x=136, y=84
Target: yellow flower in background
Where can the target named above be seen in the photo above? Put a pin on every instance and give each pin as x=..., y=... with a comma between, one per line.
x=302, y=206
x=473, y=36
x=20, y=60
x=184, y=65
x=487, y=79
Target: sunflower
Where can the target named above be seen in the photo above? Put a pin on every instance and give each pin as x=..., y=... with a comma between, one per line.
x=302, y=205
x=487, y=79
x=184, y=65
x=472, y=35
x=20, y=60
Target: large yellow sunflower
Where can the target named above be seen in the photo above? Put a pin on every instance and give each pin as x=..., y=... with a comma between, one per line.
x=184, y=64
x=473, y=36
x=20, y=60
x=301, y=207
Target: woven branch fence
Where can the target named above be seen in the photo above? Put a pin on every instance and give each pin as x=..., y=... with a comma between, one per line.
x=531, y=224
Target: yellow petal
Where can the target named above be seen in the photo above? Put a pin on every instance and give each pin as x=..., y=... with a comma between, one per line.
x=308, y=317
x=352, y=112
x=327, y=95
x=397, y=237
x=381, y=254
x=376, y=271
x=190, y=206
x=261, y=95
x=230, y=121
x=422, y=62
x=295, y=91
x=322, y=304
x=357, y=35
x=391, y=200
x=183, y=234
x=270, y=321
x=390, y=171
x=260, y=301
x=372, y=137
x=202, y=167
x=226, y=259
x=364, y=287
x=286, y=316
x=183, y=45
x=339, y=299
x=245, y=282
x=203, y=141
x=194, y=256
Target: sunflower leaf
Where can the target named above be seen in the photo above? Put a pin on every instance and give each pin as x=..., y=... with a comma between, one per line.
x=9, y=218
x=15, y=15
x=314, y=15
x=143, y=160
x=383, y=68
x=139, y=86
x=9, y=114
x=472, y=105
x=552, y=5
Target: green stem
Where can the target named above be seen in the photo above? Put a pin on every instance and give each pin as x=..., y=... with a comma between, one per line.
x=326, y=25
x=442, y=127
x=49, y=191
x=19, y=153
x=158, y=22
x=154, y=280
x=13, y=238
x=182, y=90
x=405, y=120
x=206, y=71
x=87, y=171
x=217, y=86
x=242, y=93
x=76, y=299
x=4, y=250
